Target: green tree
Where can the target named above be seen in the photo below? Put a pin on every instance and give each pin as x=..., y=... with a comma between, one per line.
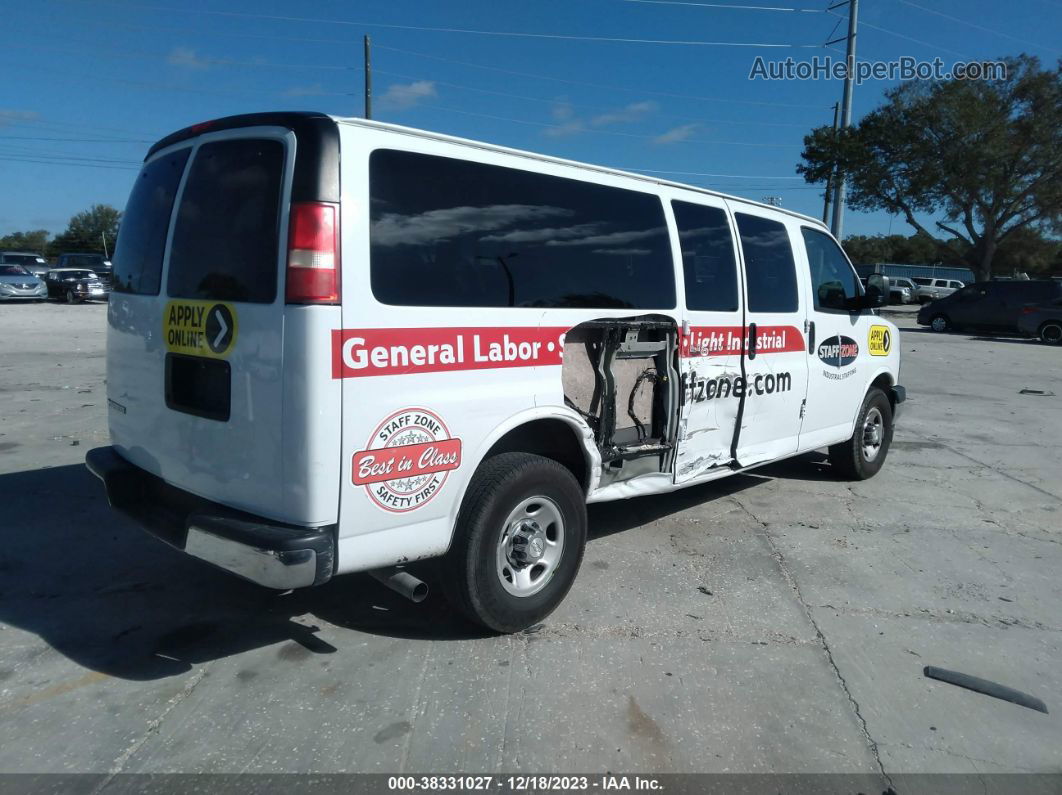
x=985, y=155
x=918, y=249
x=33, y=241
x=87, y=229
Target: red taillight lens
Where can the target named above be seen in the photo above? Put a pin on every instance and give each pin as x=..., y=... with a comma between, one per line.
x=1028, y=310
x=313, y=254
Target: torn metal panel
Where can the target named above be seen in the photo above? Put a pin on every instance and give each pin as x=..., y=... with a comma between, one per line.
x=621, y=375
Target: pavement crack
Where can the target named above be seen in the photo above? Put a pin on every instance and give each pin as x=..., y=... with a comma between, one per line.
x=823, y=642
x=153, y=727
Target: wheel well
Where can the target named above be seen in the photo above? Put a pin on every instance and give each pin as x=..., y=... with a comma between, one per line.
x=884, y=383
x=548, y=438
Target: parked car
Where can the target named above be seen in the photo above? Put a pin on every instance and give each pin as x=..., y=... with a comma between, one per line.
x=18, y=284
x=34, y=263
x=989, y=306
x=1043, y=321
x=74, y=285
x=97, y=263
x=931, y=289
x=902, y=290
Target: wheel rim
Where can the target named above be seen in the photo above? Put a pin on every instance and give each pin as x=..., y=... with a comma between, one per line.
x=530, y=546
x=1051, y=334
x=939, y=324
x=873, y=434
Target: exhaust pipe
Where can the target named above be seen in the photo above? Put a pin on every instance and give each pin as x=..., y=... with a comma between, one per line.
x=402, y=582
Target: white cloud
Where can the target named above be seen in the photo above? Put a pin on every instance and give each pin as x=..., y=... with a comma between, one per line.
x=623, y=252
x=628, y=113
x=401, y=96
x=395, y=229
x=12, y=116
x=573, y=127
x=563, y=111
x=676, y=134
x=186, y=58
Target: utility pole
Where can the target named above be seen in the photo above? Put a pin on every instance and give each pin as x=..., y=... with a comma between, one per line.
x=829, y=179
x=846, y=110
x=104, y=236
x=368, y=80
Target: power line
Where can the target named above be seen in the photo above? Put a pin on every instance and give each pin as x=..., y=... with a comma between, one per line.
x=703, y=174
x=627, y=89
x=617, y=133
x=600, y=108
x=470, y=31
x=978, y=27
x=725, y=5
x=897, y=34
x=205, y=61
x=78, y=140
x=61, y=163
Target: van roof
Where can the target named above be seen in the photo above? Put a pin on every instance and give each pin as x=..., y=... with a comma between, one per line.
x=300, y=118
x=398, y=128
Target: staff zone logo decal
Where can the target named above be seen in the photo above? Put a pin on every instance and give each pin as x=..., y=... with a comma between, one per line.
x=407, y=460
x=838, y=352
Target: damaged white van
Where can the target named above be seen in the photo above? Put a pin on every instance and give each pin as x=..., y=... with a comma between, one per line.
x=338, y=346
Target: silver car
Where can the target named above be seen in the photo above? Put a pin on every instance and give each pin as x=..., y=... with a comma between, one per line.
x=18, y=284
x=932, y=289
x=34, y=263
x=902, y=290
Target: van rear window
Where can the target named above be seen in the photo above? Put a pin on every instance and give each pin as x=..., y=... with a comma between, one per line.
x=448, y=232
x=225, y=241
x=145, y=222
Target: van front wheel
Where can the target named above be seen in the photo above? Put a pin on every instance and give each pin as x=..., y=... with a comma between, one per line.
x=518, y=543
x=862, y=456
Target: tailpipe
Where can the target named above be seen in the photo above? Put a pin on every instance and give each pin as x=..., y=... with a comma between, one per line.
x=402, y=582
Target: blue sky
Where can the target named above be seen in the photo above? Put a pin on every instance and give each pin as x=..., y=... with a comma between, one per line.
x=89, y=85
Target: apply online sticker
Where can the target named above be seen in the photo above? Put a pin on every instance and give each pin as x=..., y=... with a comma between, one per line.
x=199, y=328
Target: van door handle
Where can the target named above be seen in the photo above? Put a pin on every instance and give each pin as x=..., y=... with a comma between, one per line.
x=752, y=340
x=811, y=336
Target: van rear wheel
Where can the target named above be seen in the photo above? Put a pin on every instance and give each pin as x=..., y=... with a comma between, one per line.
x=518, y=543
x=861, y=456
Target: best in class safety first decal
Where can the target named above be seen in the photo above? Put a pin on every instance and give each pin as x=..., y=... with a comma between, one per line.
x=879, y=340
x=199, y=328
x=407, y=460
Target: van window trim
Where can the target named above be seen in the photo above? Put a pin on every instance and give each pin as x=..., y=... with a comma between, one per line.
x=813, y=303
x=671, y=195
x=287, y=138
x=669, y=224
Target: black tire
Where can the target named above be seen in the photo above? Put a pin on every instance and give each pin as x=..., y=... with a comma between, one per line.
x=940, y=323
x=1051, y=333
x=850, y=458
x=471, y=572
x=70, y=297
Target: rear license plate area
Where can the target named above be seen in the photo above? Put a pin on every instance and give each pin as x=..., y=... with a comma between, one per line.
x=199, y=386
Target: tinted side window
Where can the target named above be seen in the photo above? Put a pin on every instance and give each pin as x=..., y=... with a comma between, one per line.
x=142, y=235
x=833, y=281
x=708, y=264
x=225, y=243
x=769, y=269
x=448, y=232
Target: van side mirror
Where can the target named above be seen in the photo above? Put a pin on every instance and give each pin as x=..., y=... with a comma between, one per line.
x=876, y=294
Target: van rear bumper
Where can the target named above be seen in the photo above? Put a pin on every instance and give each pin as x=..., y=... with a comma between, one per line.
x=269, y=553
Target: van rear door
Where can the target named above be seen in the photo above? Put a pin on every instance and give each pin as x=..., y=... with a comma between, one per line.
x=212, y=378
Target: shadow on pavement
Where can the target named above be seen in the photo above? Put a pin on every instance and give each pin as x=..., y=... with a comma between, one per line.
x=113, y=599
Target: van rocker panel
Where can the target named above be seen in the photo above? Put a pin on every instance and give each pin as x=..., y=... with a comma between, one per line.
x=268, y=553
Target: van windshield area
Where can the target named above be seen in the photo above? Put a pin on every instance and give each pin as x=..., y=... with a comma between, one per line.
x=225, y=239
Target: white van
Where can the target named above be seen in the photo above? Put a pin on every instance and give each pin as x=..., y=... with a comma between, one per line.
x=337, y=345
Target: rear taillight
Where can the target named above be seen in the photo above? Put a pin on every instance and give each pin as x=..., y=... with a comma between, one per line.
x=313, y=254
x=1028, y=310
